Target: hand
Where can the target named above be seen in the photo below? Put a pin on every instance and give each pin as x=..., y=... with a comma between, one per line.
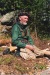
x=30, y=47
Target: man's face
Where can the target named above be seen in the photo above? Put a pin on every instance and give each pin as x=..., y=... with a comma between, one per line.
x=23, y=20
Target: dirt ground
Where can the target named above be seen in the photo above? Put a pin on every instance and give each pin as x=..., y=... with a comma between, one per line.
x=10, y=63
x=17, y=65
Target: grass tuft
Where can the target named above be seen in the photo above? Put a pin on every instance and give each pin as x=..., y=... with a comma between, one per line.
x=40, y=66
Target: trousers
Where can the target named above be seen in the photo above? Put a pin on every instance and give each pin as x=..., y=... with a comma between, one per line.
x=28, y=54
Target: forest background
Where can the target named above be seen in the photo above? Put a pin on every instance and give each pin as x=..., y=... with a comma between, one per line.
x=39, y=11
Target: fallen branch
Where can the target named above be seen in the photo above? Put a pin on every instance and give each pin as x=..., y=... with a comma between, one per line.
x=5, y=41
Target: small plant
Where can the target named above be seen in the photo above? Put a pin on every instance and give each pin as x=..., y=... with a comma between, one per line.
x=7, y=60
x=1, y=60
x=39, y=66
x=20, y=68
x=0, y=49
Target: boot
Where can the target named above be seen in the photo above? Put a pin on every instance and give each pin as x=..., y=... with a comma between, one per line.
x=6, y=51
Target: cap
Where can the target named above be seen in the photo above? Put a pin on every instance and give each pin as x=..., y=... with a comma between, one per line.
x=23, y=13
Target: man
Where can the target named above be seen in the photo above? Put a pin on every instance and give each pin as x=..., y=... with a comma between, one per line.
x=22, y=40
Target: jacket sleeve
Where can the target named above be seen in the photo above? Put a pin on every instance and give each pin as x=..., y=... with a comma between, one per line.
x=29, y=38
x=15, y=39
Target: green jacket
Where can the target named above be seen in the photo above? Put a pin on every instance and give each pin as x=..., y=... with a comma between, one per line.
x=19, y=33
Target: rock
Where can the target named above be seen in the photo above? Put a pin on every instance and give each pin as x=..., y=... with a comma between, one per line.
x=25, y=74
x=8, y=18
x=2, y=72
x=46, y=72
x=4, y=30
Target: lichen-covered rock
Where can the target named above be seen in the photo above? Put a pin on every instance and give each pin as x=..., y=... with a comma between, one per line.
x=8, y=18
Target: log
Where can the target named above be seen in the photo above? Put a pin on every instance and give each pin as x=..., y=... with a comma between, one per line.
x=5, y=41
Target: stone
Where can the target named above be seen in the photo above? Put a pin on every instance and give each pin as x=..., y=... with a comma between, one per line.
x=2, y=72
x=46, y=72
x=8, y=17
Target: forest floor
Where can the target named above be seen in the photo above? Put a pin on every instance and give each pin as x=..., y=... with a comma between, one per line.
x=15, y=65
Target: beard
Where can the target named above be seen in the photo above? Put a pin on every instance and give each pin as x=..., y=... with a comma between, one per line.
x=24, y=23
